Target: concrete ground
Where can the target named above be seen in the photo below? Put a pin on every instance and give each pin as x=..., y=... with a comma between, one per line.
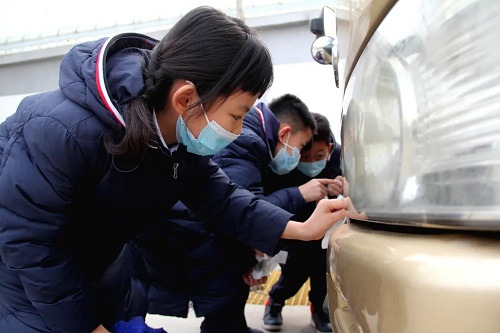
x=296, y=319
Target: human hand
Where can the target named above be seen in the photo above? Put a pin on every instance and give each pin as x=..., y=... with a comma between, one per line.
x=335, y=188
x=345, y=187
x=100, y=329
x=315, y=189
x=326, y=214
x=258, y=253
x=352, y=212
x=250, y=281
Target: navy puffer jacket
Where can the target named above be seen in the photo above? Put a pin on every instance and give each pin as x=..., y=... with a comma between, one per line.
x=297, y=178
x=246, y=160
x=209, y=270
x=67, y=206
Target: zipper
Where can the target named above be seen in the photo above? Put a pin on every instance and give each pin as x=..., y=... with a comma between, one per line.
x=174, y=169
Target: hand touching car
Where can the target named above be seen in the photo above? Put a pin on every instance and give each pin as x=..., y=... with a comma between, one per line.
x=316, y=189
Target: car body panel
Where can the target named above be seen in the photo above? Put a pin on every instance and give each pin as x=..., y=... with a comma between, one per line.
x=365, y=16
x=411, y=281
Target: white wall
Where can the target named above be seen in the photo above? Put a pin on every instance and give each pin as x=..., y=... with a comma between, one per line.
x=312, y=83
x=8, y=105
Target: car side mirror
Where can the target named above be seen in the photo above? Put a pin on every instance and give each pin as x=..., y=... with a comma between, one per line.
x=324, y=49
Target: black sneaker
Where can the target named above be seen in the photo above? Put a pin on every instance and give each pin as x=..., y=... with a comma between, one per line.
x=321, y=321
x=272, y=316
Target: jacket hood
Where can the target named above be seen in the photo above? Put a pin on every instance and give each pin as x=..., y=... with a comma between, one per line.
x=104, y=75
x=261, y=117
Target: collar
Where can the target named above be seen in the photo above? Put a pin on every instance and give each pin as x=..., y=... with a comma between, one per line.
x=172, y=148
x=109, y=47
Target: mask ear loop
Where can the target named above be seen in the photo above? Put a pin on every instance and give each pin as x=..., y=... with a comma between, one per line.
x=288, y=138
x=205, y=114
x=201, y=104
x=286, y=143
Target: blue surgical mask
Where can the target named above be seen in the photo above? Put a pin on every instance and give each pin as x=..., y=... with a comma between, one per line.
x=212, y=139
x=283, y=162
x=312, y=169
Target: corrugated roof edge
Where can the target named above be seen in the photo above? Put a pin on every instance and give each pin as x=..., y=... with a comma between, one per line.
x=36, y=46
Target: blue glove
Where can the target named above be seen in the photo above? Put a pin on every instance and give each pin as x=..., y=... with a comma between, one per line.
x=135, y=325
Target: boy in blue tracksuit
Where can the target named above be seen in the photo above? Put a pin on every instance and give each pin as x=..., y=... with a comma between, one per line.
x=307, y=259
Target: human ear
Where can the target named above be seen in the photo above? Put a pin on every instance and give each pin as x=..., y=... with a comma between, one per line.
x=330, y=148
x=283, y=133
x=183, y=97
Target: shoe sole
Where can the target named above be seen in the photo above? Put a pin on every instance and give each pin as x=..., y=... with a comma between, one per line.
x=272, y=328
x=318, y=331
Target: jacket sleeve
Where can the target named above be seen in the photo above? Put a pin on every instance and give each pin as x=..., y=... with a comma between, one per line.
x=245, y=161
x=234, y=211
x=288, y=198
x=41, y=164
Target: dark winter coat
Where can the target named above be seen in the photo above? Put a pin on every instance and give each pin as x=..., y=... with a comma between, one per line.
x=200, y=266
x=246, y=160
x=67, y=206
x=297, y=178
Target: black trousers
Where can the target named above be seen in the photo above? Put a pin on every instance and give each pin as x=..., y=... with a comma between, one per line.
x=128, y=296
x=305, y=260
x=121, y=296
x=231, y=318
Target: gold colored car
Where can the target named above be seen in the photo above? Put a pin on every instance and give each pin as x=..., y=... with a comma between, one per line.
x=420, y=140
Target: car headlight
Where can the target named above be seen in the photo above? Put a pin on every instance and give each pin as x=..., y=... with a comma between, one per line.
x=421, y=117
